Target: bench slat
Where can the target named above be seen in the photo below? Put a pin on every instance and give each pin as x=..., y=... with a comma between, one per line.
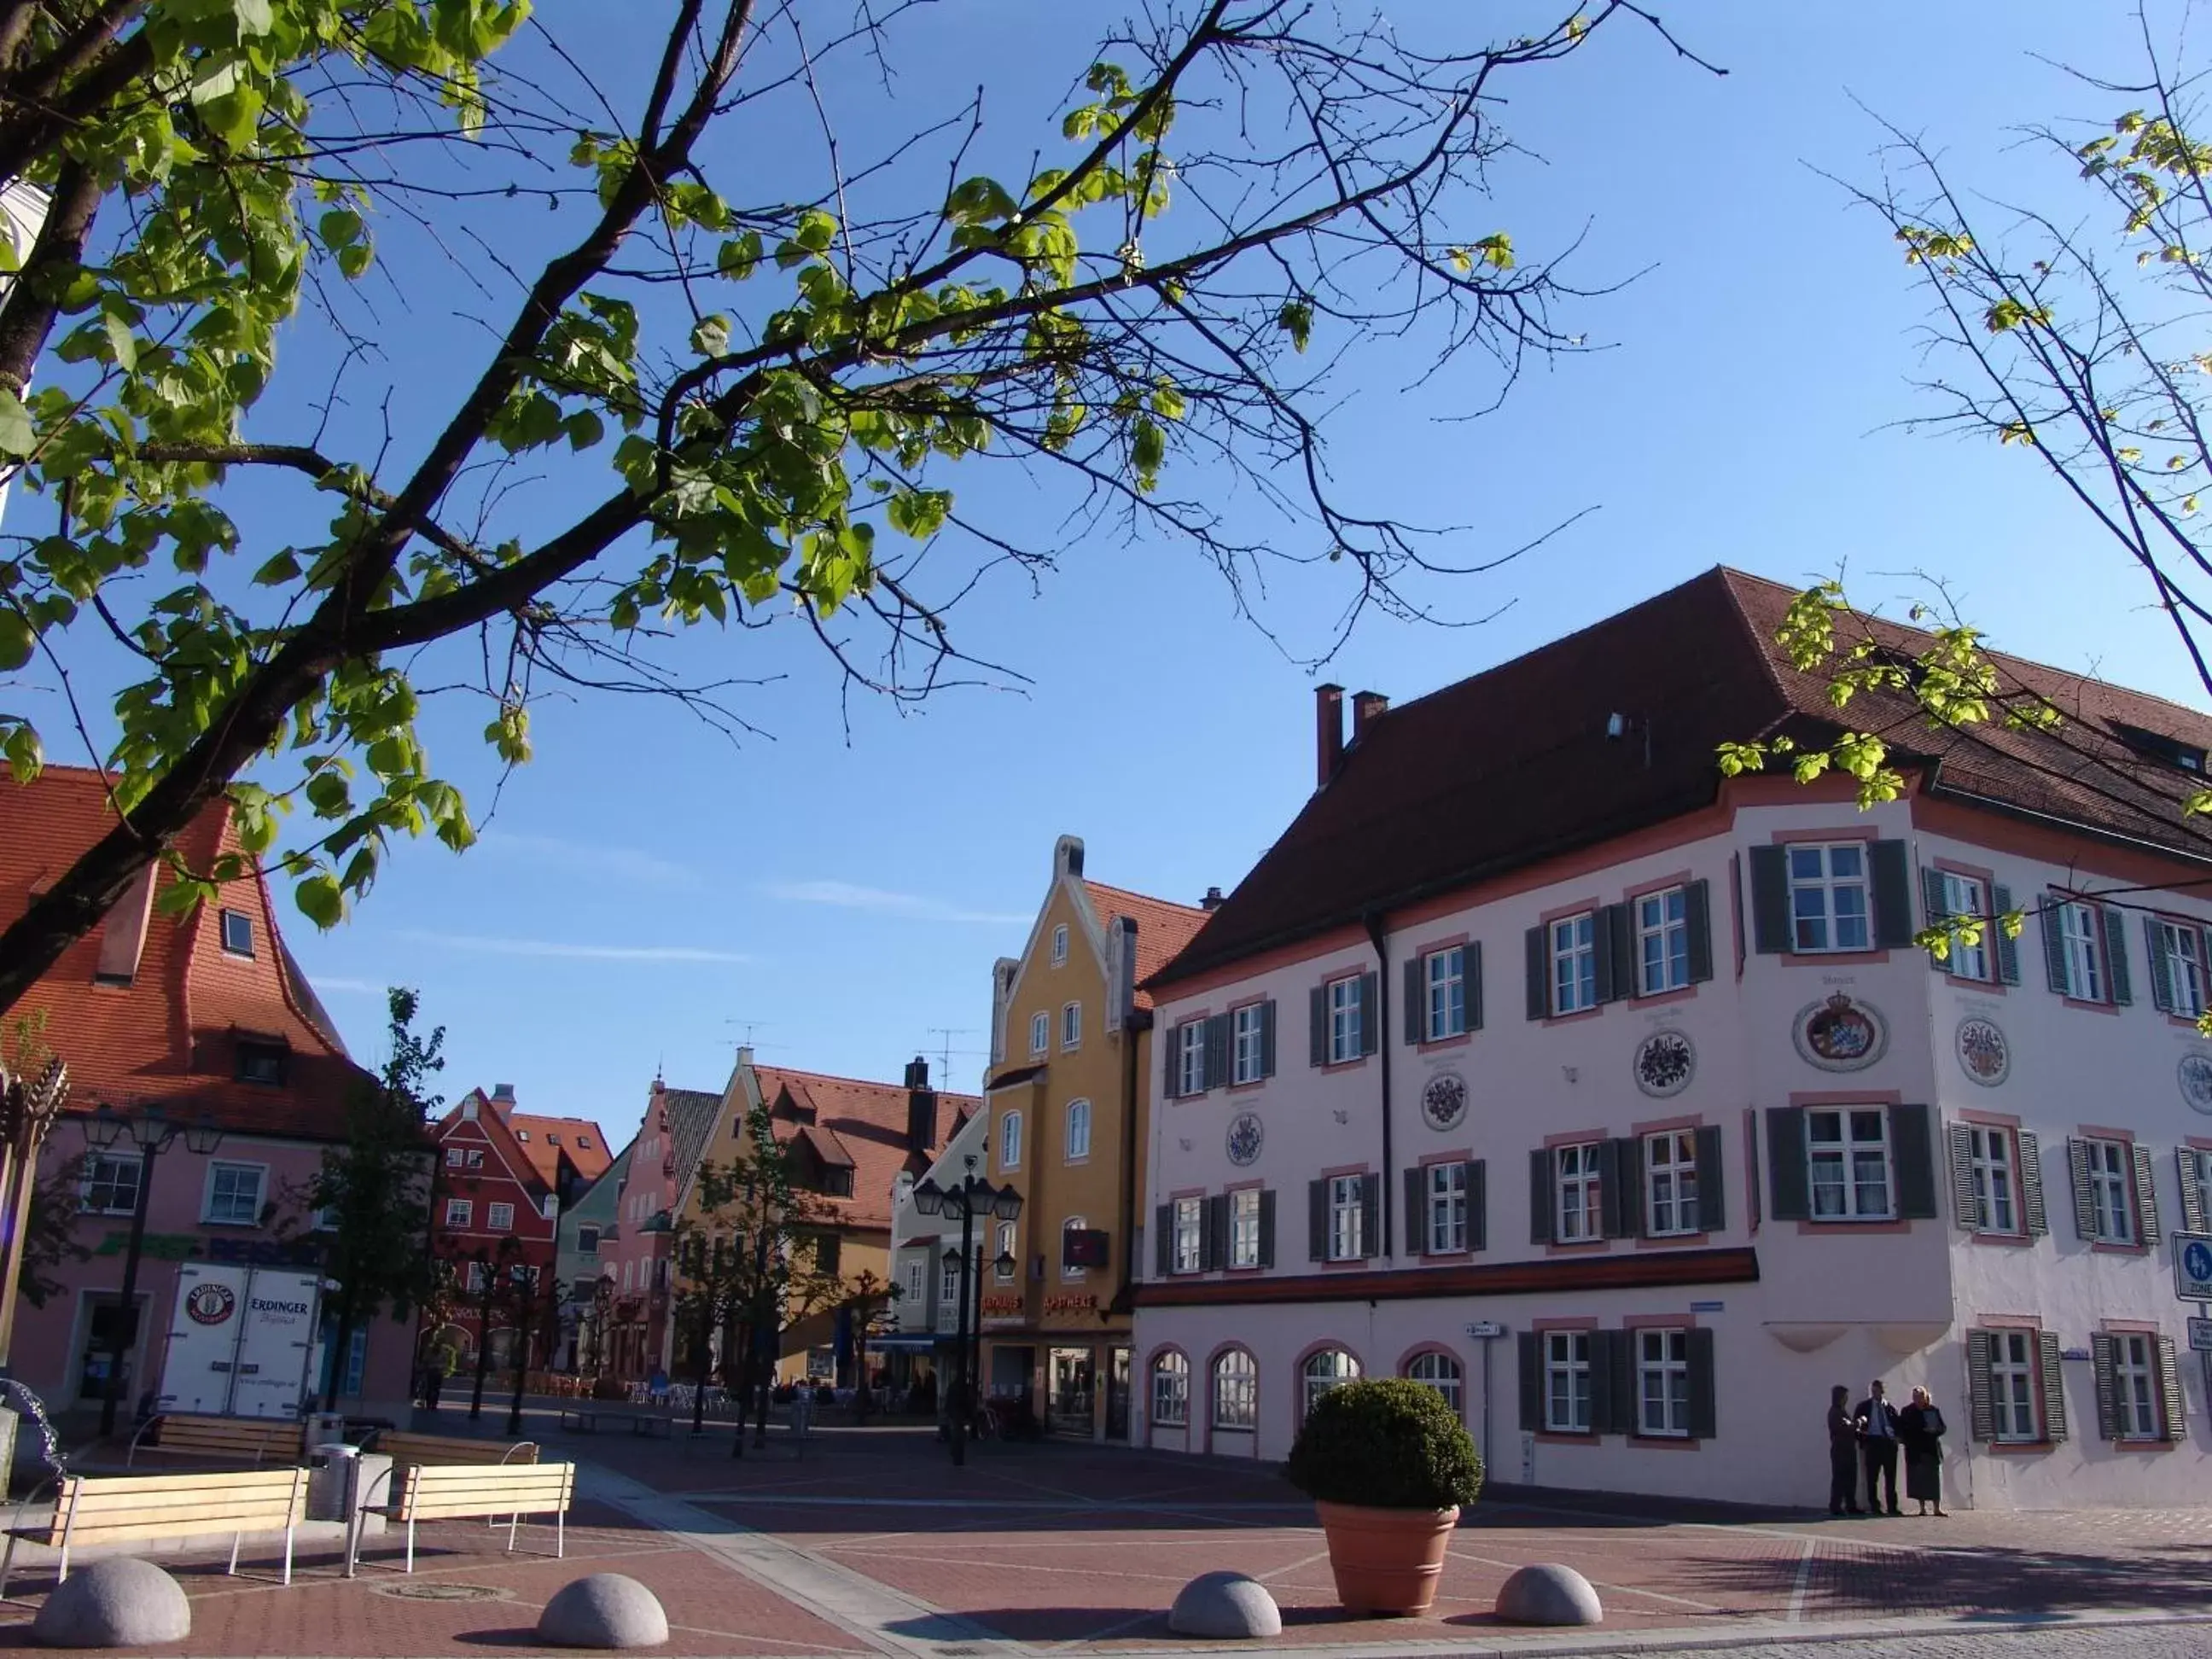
x=102, y=1509
x=417, y=1450
x=453, y=1491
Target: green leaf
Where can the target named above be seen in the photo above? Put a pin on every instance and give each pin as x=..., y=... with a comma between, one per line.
x=339, y=227
x=320, y=900
x=254, y=16
x=17, y=435
x=1295, y=320
x=121, y=342
x=710, y=336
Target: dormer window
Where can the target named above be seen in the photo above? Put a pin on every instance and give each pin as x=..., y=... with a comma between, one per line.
x=552, y=1140
x=2158, y=746
x=522, y=1134
x=837, y=1180
x=262, y=1062
x=584, y=1143
x=237, y=932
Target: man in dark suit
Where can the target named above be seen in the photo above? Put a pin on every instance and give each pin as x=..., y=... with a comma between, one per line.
x=1843, y=1454
x=1875, y=1420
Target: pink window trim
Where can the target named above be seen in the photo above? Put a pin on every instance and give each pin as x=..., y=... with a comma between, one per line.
x=2130, y=1328
x=1575, y=1322
x=1457, y=1155
x=1414, y=1353
x=1573, y=1138
x=1347, y=1170
x=1656, y=884
x=1662, y=1126
x=1339, y=972
x=1869, y=1097
x=2098, y=1132
x=1832, y=1229
x=1589, y=907
x=1987, y=1120
x=1851, y=832
x=1326, y=1345
x=1430, y=947
x=1668, y=1322
x=2006, y=1323
x=1442, y=1043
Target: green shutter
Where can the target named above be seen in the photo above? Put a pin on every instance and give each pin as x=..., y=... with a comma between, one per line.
x=2108, y=1409
x=1912, y=1147
x=1478, y=1207
x=2173, y=1419
x=1704, y=1415
x=1788, y=1178
x=2147, y=1228
x=1712, y=1181
x=1317, y=1025
x=2116, y=958
x=2054, y=1386
x=1267, y=1227
x=1370, y=1016
x=1981, y=1392
x=1217, y=1051
x=2031, y=1183
x=1540, y=990
x=1770, y=900
x=1163, y=1039
x=2052, y=924
x=1540, y=1196
x=2085, y=1200
x=1473, y=985
x=2007, y=945
x=1317, y=1220
x=1417, y=1231
x=1163, y=1243
x=1267, y=1037
x=2161, y=970
x=1960, y=1138
x=1604, y=1379
x=1370, y=1215
x=1697, y=914
x=1931, y=904
x=1532, y=1380
x=1615, y=953
x=1891, y=866
x=2193, y=1196
x=1415, y=1019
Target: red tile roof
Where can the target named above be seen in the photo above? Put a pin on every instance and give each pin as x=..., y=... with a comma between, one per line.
x=867, y=1121
x=168, y=1037
x=1515, y=764
x=1162, y=928
x=550, y=1137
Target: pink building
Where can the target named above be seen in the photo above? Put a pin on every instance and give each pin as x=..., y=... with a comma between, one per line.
x=635, y=1253
x=1615, y=1100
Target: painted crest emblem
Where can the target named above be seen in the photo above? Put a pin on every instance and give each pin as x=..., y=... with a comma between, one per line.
x=208, y=1304
x=1840, y=1034
x=1664, y=1063
x=1443, y=1102
x=1245, y=1136
x=1983, y=1053
x=2196, y=1075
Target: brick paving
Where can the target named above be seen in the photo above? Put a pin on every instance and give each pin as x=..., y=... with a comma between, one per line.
x=869, y=1541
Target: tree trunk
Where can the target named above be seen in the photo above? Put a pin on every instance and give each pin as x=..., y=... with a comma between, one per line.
x=744, y=1383
x=337, y=1354
x=704, y=1371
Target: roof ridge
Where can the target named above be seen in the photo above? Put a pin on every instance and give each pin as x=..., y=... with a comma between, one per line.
x=1149, y=898
x=857, y=1082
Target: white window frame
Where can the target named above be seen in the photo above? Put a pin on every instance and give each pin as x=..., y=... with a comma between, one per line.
x=1345, y=1036
x=1009, y=1140
x=1443, y=1372
x=1071, y=1026
x=1171, y=1389
x=1670, y=1184
x=1968, y=897
x=1323, y=1370
x=2111, y=1189
x=1074, y=1223
x=1567, y=1382
x=475, y=1158
x=1832, y=926
x=246, y=923
x=917, y=1282
x=1059, y=944
x=948, y=1283
x=1662, y=1382
x=2182, y=944
x=1570, y=943
x=1843, y=1153
x=1248, y=1042
x=460, y=1212
x=101, y=1169
x=479, y=1275
x=216, y=1170
x=1577, y=1194
x=1444, y=1190
x=2081, y=935
x=1244, y=1227
x=1996, y=1180
x=1189, y=1218
x=492, y=1221
x=1190, y=1058
x=2016, y=1386
x=2135, y=1409
x=1040, y=1032
x=1662, y=941
x=1078, y=1131
x=1347, y=1217
x=453, y=1156
x=1444, y=979
x=1235, y=1407
x=1006, y=1236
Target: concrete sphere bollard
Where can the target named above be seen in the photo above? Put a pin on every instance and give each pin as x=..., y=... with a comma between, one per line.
x=1226, y=1605
x=1549, y=1594
x=603, y=1610
x=119, y=1602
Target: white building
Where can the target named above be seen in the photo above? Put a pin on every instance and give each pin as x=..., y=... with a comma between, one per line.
x=1531, y=1022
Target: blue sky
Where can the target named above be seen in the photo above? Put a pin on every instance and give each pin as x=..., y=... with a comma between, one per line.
x=647, y=892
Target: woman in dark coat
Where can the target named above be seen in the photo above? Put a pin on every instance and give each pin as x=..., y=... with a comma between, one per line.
x=1920, y=1430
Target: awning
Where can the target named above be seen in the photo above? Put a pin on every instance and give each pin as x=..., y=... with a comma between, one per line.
x=906, y=1342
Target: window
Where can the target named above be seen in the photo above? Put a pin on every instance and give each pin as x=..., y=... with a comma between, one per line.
x=2081, y=940
x=1966, y=897
x=1347, y=1217
x=1074, y=1223
x=1995, y=1210
x=234, y=1198
x=1332, y=1368
x=479, y=1276
x=110, y=1184
x=460, y=1212
x=1071, y=1025
x=499, y=1218
x=1171, y=1391
x=1078, y=1131
x=837, y=1180
x=1582, y=1207
x=1445, y=1188
x=524, y=1134
x=588, y=1241
x=1009, y=1141
x=1662, y=941
x=828, y=1253
x=237, y=932
x=584, y=1143
x=1850, y=1157
x=2182, y=948
x=948, y=1281
x=262, y=1062
x=1189, y=1228
x=1441, y=1372
x=1235, y=1391
x=1248, y=1060
x=915, y=1280
x=1444, y=974
x=1345, y=1039
x=1567, y=1382
x=2112, y=1191
x=2135, y=1387
x=1039, y=1033
x=1574, y=962
x=1244, y=1228
x=1828, y=897
x=453, y=1156
x=1662, y=1382
x=1004, y=1262
x=2015, y=1380
x=476, y=1157
x=1059, y=946
x=469, y=1110
x=1670, y=1179
x=1190, y=1057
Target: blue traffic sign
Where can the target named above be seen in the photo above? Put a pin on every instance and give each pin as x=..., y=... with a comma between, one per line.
x=2192, y=1267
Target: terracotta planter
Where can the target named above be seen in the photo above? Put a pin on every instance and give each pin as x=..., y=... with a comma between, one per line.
x=1385, y=1561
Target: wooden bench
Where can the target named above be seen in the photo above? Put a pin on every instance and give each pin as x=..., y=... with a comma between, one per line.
x=249, y=1440
x=469, y=1491
x=409, y=1451
x=129, y=1509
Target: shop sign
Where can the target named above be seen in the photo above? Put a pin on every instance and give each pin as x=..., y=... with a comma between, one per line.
x=190, y=1247
x=1070, y=1304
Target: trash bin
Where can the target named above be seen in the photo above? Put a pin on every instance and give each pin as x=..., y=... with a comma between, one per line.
x=324, y=1428
x=331, y=1473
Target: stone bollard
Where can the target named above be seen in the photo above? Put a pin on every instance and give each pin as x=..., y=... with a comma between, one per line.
x=119, y=1602
x=1548, y=1593
x=603, y=1610
x=1225, y=1605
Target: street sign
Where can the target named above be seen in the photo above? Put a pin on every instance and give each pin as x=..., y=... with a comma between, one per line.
x=2200, y=1336
x=1483, y=1329
x=2192, y=1267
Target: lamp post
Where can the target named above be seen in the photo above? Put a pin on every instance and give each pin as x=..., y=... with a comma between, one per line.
x=153, y=1132
x=973, y=1196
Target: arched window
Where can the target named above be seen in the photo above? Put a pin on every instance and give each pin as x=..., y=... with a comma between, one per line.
x=1236, y=1391
x=1010, y=1141
x=1330, y=1368
x=1070, y=1268
x=1059, y=946
x=1171, y=1391
x=1441, y=1372
x=1079, y=1130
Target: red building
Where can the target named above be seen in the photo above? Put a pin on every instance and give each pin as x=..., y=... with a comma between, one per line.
x=504, y=1176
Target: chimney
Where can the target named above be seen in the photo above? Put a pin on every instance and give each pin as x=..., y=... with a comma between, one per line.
x=1328, y=732
x=503, y=1096
x=1367, y=707
x=921, y=1107
x=1211, y=902
x=1067, y=857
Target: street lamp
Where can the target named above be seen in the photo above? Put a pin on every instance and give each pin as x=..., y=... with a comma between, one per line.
x=974, y=1196
x=154, y=1132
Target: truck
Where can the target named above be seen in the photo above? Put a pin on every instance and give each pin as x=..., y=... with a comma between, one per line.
x=243, y=1341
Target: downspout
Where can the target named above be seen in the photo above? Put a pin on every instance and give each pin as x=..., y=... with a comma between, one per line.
x=1373, y=919
x=1124, y=1295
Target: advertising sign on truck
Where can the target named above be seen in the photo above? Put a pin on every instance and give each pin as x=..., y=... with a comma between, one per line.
x=242, y=1340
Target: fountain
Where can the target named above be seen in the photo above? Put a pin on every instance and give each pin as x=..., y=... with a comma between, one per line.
x=50, y=1444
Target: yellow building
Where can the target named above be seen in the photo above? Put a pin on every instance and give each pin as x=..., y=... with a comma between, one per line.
x=1070, y=1043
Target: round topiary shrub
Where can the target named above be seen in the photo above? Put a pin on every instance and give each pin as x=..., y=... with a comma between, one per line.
x=1389, y=1443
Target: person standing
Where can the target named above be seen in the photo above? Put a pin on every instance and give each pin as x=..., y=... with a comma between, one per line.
x=1843, y=1454
x=1876, y=1420
x=1920, y=1430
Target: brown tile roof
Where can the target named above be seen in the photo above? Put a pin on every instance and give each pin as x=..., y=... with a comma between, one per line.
x=168, y=1037
x=1162, y=928
x=868, y=1122
x=1515, y=764
x=589, y=1153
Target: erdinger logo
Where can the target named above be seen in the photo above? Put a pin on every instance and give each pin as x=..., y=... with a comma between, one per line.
x=208, y=1304
x=262, y=1304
